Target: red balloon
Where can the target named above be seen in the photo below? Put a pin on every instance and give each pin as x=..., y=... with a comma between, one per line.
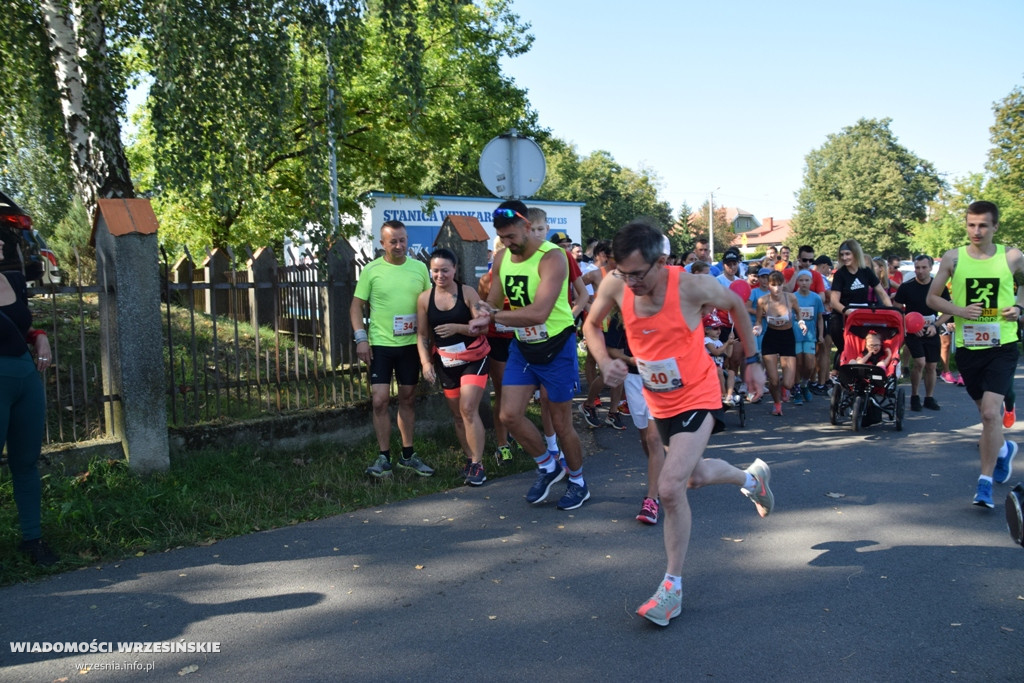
x=914, y=323
x=741, y=288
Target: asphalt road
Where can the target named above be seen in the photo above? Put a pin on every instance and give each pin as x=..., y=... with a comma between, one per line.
x=873, y=567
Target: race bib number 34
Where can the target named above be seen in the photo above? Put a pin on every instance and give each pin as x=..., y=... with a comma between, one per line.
x=405, y=325
x=660, y=375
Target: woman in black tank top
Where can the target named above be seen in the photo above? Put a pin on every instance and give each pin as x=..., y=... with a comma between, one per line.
x=450, y=352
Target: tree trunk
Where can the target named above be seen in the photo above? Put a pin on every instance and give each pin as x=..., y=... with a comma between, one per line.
x=78, y=45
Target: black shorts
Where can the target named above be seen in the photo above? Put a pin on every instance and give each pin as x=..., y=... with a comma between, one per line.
x=987, y=369
x=404, y=361
x=689, y=421
x=778, y=342
x=923, y=347
x=499, y=349
x=452, y=378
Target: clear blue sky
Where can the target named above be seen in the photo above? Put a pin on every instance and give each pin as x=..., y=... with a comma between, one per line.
x=733, y=95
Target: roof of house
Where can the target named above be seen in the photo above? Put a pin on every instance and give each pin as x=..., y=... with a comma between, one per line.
x=771, y=232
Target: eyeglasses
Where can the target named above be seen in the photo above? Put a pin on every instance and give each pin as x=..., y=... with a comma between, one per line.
x=632, y=278
x=507, y=213
x=807, y=260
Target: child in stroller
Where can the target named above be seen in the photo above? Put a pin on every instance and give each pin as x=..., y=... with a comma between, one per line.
x=869, y=371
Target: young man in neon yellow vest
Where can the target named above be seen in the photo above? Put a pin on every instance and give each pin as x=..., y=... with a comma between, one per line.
x=532, y=275
x=986, y=311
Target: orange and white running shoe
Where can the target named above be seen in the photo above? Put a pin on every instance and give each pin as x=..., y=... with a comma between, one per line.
x=663, y=605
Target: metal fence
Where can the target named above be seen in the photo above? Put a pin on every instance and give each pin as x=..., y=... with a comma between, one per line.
x=237, y=344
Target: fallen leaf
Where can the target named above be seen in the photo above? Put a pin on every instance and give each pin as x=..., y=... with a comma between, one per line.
x=734, y=540
x=141, y=553
x=419, y=566
x=191, y=668
x=492, y=617
x=956, y=624
x=835, y=495
x=1006, y=628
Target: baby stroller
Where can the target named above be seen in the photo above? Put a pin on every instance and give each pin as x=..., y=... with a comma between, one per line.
x=868, y=393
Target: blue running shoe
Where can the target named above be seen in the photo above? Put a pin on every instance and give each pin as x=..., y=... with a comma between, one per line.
x=983, y=498
x=575, y=496
x=538, y=493
x=1004, y=465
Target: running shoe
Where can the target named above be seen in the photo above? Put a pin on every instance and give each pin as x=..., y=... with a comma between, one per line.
x=476, y=475
x=503, y=454
x=983, y=498
x=538, y=493
x=1009, y=417
x=648, y=512
x=624, y=407
x=38, y=552
x=464, y=472
x=575, y=496
x=785, y=395
x=589, y=414
x=915, y=403
x=947, y=377
x=380, y=468
x=415, y=465
x=762, y=494
x=663, y=605
x=777, y=410
x=807, y=393
x=930, y=403
x=959, y=381
x=614, y=421
x=1004, y=465
x=798, y=398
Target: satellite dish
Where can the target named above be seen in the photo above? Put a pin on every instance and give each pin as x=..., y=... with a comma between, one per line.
x=512, y=166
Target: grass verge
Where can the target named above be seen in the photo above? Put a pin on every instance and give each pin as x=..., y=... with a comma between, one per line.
x=108, y=512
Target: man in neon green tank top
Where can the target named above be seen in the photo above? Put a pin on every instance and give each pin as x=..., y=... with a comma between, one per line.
x=533, y=276
x=986, y=311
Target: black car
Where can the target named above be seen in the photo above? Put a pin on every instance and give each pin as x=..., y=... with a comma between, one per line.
x=21, y=250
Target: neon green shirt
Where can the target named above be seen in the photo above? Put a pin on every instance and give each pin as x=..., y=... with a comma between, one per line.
x=520, y=281
x=990, y=283
x=392, y=291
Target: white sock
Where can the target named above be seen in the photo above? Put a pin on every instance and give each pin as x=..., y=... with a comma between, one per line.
x=1004, y=451
x=552, y=442
x=985, y=478
x=751, y=482
x=676, y=581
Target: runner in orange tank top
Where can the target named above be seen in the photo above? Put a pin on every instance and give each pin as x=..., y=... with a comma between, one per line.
x=661, y=308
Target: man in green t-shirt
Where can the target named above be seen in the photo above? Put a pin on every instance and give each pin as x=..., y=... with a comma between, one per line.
x=390, y=285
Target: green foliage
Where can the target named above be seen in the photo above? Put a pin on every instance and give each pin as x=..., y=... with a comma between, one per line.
x=861, y=183
x=1006, y=157
x=614, y=194
x=724, y=233
x=70, y=242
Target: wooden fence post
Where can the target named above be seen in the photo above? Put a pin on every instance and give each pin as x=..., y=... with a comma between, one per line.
x=262, y=276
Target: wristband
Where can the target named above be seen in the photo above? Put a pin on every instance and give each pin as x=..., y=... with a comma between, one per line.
x=1020, y=310
x=33, y=335
x=360, y=336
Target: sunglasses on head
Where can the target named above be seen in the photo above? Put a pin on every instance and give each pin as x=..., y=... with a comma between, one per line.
x=507, y=213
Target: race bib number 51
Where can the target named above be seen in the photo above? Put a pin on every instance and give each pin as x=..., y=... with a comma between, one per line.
x=660, y=375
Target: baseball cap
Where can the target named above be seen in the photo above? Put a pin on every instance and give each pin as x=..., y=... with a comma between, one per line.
x=730, y=256
x=764, y=272
x=712, y=320
x=823, y=260
x=559, y=236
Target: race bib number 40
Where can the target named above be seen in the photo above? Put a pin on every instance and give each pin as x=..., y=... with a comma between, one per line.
x=660, y=375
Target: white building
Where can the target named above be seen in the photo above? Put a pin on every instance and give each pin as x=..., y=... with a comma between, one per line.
x=423, y=226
